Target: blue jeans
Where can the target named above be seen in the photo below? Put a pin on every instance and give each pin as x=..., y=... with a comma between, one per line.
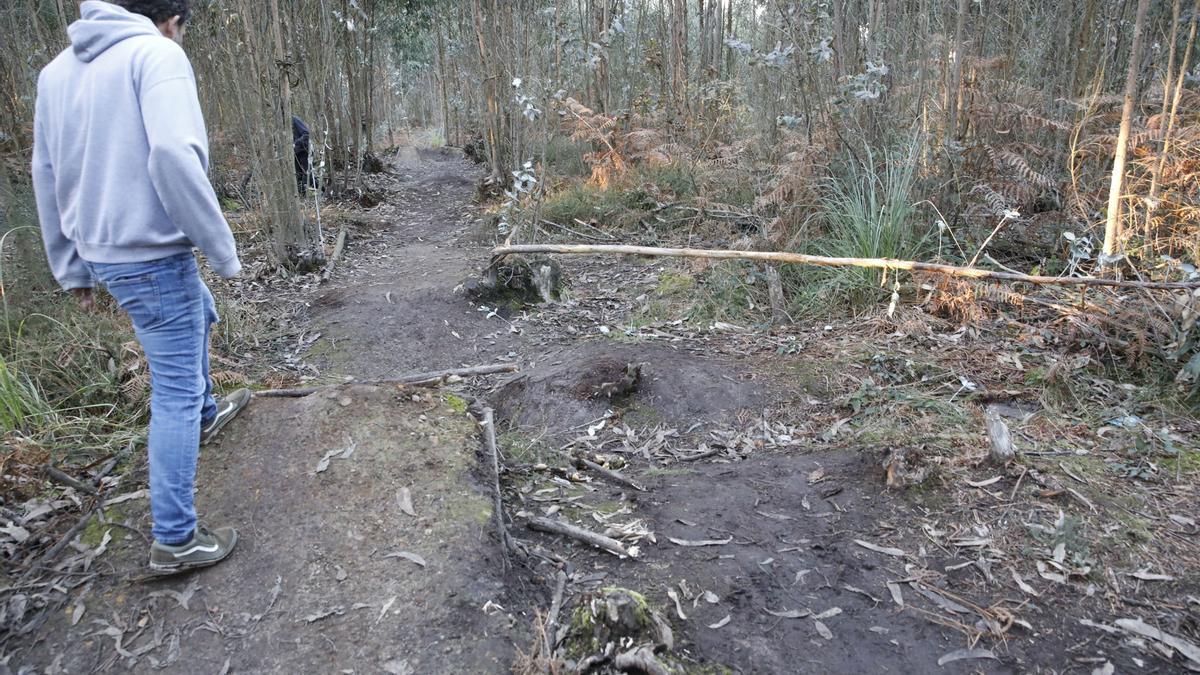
x=172, y=311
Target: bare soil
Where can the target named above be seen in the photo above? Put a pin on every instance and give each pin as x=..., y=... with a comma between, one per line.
x=317, y=582
x=791, y=554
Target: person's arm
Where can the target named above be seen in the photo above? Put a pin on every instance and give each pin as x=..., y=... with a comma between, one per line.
x=179, y=156
x=66, y=265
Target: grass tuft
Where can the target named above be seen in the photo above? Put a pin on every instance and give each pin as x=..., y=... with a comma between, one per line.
x=867, y=211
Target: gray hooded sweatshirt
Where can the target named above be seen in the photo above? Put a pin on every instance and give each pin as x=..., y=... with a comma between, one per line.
x=120, y=159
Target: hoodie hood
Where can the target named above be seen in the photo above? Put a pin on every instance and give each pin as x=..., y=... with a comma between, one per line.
x=102, y=25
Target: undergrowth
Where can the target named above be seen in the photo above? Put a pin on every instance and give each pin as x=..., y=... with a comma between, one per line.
x=867, y=210
x=62, y=372
x=624, y=202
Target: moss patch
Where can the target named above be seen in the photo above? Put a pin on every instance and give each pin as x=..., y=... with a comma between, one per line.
x=457, y=403
x=1184, y=462
x=672, y=283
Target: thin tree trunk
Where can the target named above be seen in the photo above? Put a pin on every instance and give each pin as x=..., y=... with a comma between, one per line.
x=1112, y=228
x=1155, y=179
x=952, y=92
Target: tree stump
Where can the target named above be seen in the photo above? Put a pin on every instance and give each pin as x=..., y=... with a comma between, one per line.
x=518, y=279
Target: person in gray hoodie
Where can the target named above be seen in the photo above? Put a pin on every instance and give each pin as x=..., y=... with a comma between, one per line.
x=120, y=166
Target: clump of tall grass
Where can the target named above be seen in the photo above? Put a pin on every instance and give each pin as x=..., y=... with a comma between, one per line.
x=61, y=371
x=22, y=405
x=867, y=210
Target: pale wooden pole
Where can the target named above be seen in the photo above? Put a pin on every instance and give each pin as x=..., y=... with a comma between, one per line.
x=825, y=261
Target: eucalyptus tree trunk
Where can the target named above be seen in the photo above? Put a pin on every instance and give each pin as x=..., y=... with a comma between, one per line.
x=1112, y=226
x=1169, y=118
x=954, y=91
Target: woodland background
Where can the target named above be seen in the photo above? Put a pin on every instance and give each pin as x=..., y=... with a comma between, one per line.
x=1054, y=138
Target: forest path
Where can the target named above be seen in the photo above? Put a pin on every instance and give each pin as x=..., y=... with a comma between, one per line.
x=365, y=511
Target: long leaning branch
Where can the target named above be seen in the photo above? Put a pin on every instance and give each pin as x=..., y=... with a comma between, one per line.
x=825, y=261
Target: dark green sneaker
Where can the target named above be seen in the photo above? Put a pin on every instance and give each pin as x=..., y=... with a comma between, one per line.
x=203, y=549
x=227, y=408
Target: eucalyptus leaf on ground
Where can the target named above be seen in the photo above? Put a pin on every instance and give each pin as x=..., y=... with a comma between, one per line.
x=964, y=654
x=789, y=613
x=1139, y=627
x=722, y=623
x=411, y=557
x=895, y=552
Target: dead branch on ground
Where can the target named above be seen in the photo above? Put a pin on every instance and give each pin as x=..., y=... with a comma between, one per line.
x=579, y=534
x=825, y=261
x=614, y=476
x=60, y=477
x=337, y=253
x=489, y=438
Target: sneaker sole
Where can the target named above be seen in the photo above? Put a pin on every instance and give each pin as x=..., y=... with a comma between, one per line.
x=167, y=570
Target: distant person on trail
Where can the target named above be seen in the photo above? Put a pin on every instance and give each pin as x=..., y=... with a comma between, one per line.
x=120, y=166
x=300, y=148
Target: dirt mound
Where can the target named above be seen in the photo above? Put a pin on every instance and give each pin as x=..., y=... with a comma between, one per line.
x=580, y=384
x=360, y=550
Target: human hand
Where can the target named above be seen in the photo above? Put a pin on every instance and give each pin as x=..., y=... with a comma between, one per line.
x=84, y=295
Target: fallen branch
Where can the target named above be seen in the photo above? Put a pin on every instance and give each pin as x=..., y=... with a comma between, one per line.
x=704, y=454
x=337, y=253
x=60, y=477
x=564, y=228
x=560, y=588
x=111, y=464
x=432, y=379
x=67, y=538
x=578, y=533
x=611, y=475
x=489, y=439
x=824, y=261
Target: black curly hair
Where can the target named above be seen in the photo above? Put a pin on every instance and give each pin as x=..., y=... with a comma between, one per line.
x=158, y=10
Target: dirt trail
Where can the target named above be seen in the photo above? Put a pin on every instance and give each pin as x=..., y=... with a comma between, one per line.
x=333, y=575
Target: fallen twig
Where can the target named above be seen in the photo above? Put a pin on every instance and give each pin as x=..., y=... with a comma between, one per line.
x=60, y=477
x=578, y=533
x=611, y=475
x=825, y=261
x=564, y=228
x=78, y=527
x=431, y=379
x=701, y=455
x=111, y=464
x=337, y=253
x=489, y=438
x=552, y=616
